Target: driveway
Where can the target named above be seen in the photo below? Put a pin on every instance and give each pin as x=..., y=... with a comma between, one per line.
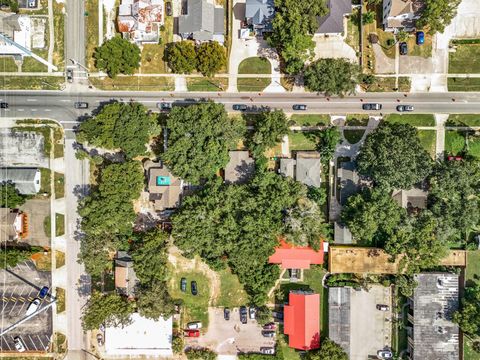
x=383, y=64
x=37, y=210
x=231, y=337
x=415, y=65
x=333, y=47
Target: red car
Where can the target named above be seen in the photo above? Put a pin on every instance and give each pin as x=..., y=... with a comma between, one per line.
x=269, y=326
x=192, y=333
x=454, y=158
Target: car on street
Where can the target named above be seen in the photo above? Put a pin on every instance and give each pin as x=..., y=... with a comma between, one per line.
x=384, y=354
x=43, y=292
x=192, y=333
x=70, y=75
x=194, y=325
x=194, y=288
x=19, y=344
x=267, y=350
x=243, y=314
x=299, y=107
x=164, y=106
x=403, y=48
x=382, y=307
x=81, y=105
x=404, y=108
x=183, y=284
x=252, y=313
x=3, y=105
x=100, y=341
x=239, y=107
x=226, y=313
x=168, y=8
x=33, y=307
x=372, y=106
x=420, y=37
x=267, y=333
x=269, y=326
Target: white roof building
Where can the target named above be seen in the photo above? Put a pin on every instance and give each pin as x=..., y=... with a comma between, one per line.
x=16, y=28
x=142, y=337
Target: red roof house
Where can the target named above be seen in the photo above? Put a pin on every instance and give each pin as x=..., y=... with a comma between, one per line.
x=296, y=257
x=302, y=320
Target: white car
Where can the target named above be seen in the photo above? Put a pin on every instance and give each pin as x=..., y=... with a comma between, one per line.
x=194, y=325
x=267, y=350
x=33, y=307
x=384, y=354
x=19, y=344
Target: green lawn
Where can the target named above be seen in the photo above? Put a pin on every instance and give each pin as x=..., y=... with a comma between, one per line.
x=44, y=182
x=7, y=64
x=353, y=31
x=58, y=147
x=404, y=83
x=231, y=291
x=252, y=84
x=134, y=83
x=382, y=84
x=428, y=139
x=412, y=119
x=473, y=265
x=454, y=142
x=463, y=120
x=91, y=22
x=310, y=119
x=59, y=224
x=152, y=59
x=60, y=300
x=196, y=307
x=474, y=146
x=59, y=26
x=468, y=352
x=302, y=140
x=424, y=50
x=31, y=82
x=59, y=185
x=465, y=60
x=463, y=84
x=207, y=84
x=353, y=136
x=357, y=120
x=255, y=65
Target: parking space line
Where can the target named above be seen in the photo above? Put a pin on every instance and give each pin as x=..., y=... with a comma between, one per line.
x=41, y=342
x=7, y=343
x=33, y=342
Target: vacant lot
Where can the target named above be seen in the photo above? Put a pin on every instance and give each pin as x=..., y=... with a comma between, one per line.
x=463, y=84
x=255, y=65
x=232, y=293
x=463, y=120
x=454, y=142
x=465, y=60
x=428, y=140
x=412, y=119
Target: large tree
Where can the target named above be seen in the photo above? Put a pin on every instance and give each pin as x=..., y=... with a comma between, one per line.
x=269, y=129
x=199, y=137
x=393, y=156
x=211, y=57
x=200, y=354
x=181, y=57
x=332, y=76
x=329, y=350
x=468, y=317
x=327, y=143
x=10, y=256
x=437, y=14
x=154, y=301
x=117, y=56
x=150, y=256
x=124, y=126
x=109, y=310
x=10, y=197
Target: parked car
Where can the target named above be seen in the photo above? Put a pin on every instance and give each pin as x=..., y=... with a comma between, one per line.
x=168, y=8
x=80, y=105
x=382, y=307
x=239, y=107
x=19, y=344
x=299, y=107
x=252, y=313
x=70, y=75
x=267, y=350
x=454, y=158
x=164, y=106
x=33, y=307
x=194, y=325
x=193, y=288
x=183, y=284
x=267, y=333
x=3, y=105
x=226, y=313
x=277, y=315
x=269, y=326
x=403, y=108
x=43, y=292
x=420, y=37
x=192, y=333
x=243, y=314
x=372, y=106
x=403, y=48
x=100, y=341
x=384, y=354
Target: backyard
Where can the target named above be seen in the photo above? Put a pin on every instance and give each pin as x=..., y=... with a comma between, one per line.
x=302, y=140
x=465, y=59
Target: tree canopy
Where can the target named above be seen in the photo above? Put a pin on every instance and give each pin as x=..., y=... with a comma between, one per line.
x=117, y=56
x=11, y=256
x=393, y=156
x=269, y=129
x=329, y=350
x=437, y=14
x=10, y=197
x=120, y=126
x=181, y=57
x=200, y=354
x=109, y=310
x=211, y=57
x=199, y=137
x=154, y=301
x=332, y=76
x=468, y=317
x=150, y=256
x=328, y=139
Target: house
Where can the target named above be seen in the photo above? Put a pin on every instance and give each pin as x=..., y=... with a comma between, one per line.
x=413, y=200
x=165, y=189
x=26, y=180
x=296, y=257
x=202, y=22
x=240, y=167
x=143, y=337
x=13, y=225
x=348, y=180
x=15, y=34
x=28, y=4
x=259, y=14
x=302, y=320
x=401, y=14
x=305, y=168
x=339, y=316
x=434, y=336
x=140, y=20
x=333, y=22
x=125, y=278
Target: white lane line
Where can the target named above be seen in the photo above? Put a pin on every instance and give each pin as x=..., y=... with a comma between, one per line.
x=32, y=100
x=33, y=109
x=47, y=110
x=65, y=100
x=33, y=342
x=20, y=110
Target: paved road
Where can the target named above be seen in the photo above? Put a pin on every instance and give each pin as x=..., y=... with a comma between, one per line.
x=75, y=34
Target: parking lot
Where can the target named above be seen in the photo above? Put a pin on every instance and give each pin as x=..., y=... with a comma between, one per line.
x=231, y=337
x=20, y=285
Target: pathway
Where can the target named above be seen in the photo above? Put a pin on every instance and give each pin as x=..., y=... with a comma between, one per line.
x=51, y=33
x=440, y=120
x=180, y=83
x=100, y=22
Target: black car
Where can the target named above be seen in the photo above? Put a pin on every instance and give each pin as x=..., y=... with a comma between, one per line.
x=3, y=105
x=239, y=107
x=243, y=314
x=168, y=8
x=299, y=107
x=70, y=75
x=266, y=333
x=372, y=106
x=81, y=105
x=226, y=313
x=193, y=288
x=183, y=285
x=403, y=108
x=403, y=48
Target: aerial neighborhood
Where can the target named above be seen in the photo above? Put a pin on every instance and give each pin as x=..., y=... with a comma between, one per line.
x=240, y=179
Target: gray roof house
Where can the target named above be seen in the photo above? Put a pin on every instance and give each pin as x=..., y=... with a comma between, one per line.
x=305, y=168
x=203, y=22
x=26, y=180
x=260, y=13
x=434, y=301
x=240, y=167
x=415, y=198
x=333, y=22
x=125, y=278
x=165, y=189
x=348, y=179
x=339, y=316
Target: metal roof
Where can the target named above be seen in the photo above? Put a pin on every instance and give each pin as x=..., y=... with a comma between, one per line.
x=339, y=316
x=26, y=180
x=302, y=320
